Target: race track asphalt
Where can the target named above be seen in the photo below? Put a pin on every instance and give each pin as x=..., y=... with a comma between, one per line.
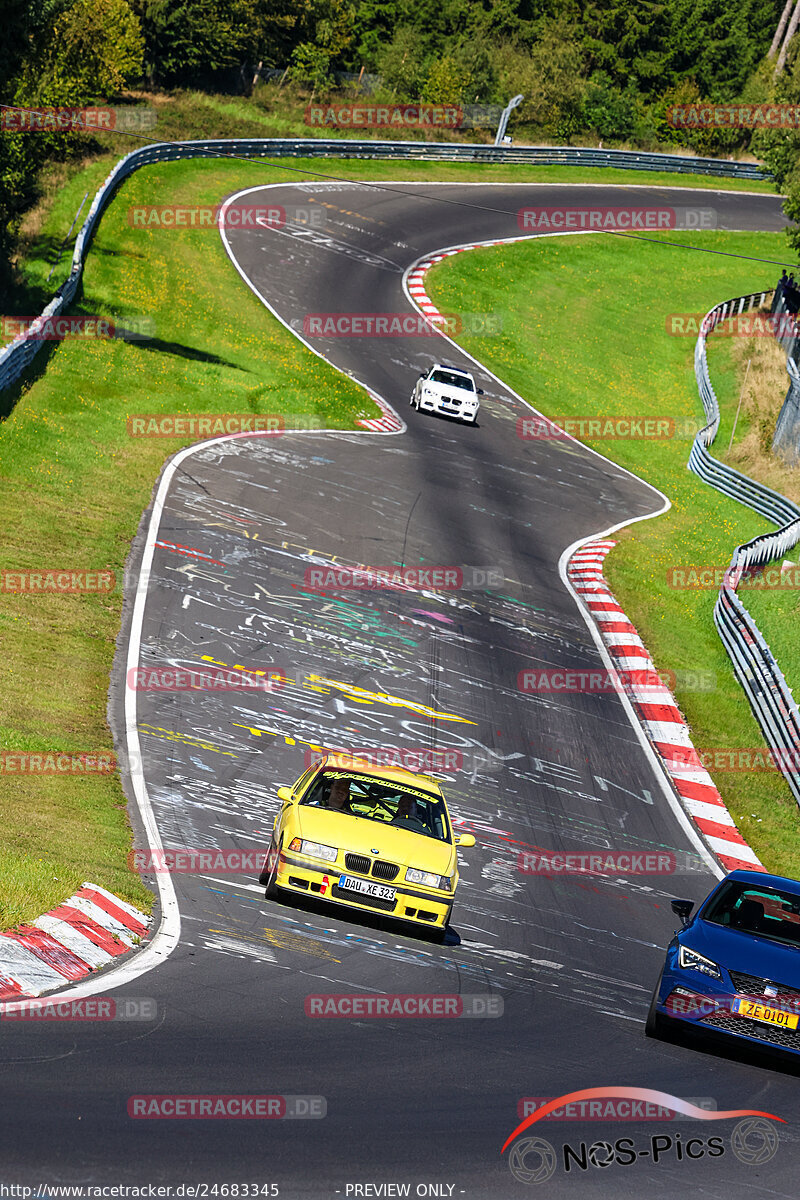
x=412, y=1102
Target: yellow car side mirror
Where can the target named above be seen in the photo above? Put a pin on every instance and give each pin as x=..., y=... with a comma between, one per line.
x=465, y=840
x=285, y=794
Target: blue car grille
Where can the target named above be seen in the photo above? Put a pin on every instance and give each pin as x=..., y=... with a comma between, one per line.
x=754, y=985
x=789, y=1039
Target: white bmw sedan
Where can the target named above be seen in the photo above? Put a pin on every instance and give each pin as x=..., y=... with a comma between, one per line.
x=449, y=391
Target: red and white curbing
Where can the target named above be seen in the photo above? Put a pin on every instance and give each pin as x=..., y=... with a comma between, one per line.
x=390, y=422
x=84, y=933
x=416, y=278
x=659, y=715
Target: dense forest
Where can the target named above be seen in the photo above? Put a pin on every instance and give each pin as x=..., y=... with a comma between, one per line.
x=601, y=69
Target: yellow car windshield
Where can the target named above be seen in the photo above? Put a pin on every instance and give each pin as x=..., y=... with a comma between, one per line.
x=380, y=800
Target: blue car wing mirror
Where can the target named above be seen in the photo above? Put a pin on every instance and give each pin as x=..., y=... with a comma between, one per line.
x=682, y=909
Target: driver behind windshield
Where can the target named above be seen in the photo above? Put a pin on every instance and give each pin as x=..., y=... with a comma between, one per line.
x=406, y=809
x=339, y=796
x=378, y=800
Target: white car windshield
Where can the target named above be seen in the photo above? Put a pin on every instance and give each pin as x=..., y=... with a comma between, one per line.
x=450, y=379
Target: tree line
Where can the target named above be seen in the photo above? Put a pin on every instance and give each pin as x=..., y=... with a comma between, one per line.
x=605, y=68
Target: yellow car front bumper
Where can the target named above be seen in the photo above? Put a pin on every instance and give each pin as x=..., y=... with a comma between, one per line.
x=296, y=873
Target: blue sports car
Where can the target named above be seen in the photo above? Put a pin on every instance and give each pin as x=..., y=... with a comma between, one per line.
x=735, y=967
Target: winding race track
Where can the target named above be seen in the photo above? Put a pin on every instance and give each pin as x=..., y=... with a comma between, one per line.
x=409, y=1102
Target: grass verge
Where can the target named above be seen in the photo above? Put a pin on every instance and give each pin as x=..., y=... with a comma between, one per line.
x=584, y=333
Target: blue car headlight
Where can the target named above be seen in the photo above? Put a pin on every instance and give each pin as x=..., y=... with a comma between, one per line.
x=691, y=960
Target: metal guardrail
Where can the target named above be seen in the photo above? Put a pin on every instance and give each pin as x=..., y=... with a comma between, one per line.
x=786, y=439
x=763, y=681
x=17, y=356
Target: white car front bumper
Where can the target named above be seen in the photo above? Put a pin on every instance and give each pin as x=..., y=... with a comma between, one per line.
x=448, y=405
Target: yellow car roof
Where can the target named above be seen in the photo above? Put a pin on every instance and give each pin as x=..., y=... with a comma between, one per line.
x=398, y=775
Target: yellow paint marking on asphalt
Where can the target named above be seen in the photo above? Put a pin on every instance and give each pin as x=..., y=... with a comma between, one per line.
x=364, y=696
x=257, y=732
x=171, y=735
x=279, y=940
x=321, y=683
x=285, y=940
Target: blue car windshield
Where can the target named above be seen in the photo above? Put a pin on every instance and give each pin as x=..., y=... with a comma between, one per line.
x=767, y=912
x=375, y=799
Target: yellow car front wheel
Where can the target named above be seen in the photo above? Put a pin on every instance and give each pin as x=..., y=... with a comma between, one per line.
x=271, y=871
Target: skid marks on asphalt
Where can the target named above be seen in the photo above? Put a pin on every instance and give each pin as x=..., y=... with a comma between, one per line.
x=476, y=962
x=263, y=944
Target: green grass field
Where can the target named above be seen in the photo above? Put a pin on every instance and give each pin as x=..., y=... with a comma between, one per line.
x=73, y=484
x=584, y=332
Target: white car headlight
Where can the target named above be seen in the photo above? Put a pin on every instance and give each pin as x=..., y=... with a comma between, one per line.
x=314, y=849
x=428, y=879
x=691, y=960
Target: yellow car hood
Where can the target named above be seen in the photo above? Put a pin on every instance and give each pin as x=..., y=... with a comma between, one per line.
x=363, y=836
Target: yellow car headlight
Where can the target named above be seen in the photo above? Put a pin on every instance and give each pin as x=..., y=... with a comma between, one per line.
x=314, y=849
x=428, y=879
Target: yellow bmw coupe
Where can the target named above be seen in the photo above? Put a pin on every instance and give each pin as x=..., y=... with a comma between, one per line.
x=378, y=839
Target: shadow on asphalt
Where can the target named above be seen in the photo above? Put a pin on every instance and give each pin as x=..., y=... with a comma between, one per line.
x=732, y=1049
x=380, y=923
